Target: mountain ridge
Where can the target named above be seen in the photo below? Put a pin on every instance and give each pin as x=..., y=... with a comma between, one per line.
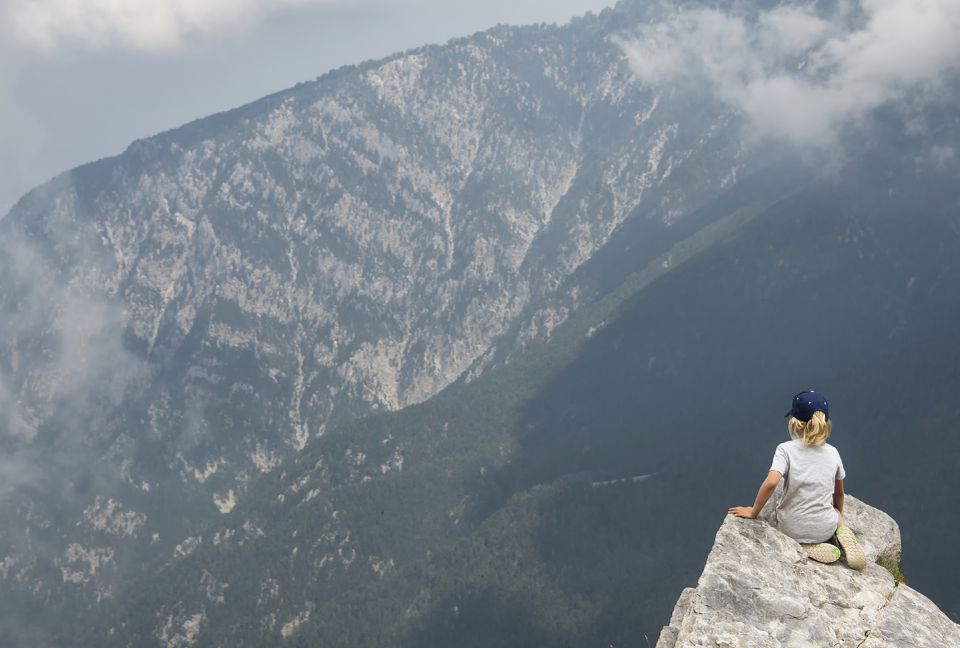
x=218, y=451
x=201, y=306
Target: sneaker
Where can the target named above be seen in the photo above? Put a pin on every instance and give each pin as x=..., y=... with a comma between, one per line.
x=856, y=558
x=822, y=552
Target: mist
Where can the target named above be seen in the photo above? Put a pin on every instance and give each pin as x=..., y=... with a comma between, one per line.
x=63, y=362
x=148, y=24
x=799, y=75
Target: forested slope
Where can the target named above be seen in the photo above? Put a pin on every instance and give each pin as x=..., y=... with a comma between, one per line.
x=566, y=496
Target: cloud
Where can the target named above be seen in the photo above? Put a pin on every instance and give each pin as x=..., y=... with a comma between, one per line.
x=797, y=75
x=64, y=368
x=140, y=24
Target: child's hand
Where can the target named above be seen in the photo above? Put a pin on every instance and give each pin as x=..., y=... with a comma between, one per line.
x=742, y=511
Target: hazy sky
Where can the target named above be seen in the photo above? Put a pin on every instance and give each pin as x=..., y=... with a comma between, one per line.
x=81, y=79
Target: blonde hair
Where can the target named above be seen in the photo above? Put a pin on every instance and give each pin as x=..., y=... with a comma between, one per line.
x=813, y=432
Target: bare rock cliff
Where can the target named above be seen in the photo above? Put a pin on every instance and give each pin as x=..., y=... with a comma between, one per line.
x=759, y=590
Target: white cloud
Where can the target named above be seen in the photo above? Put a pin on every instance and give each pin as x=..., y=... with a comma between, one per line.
x=64, y=366
x=141, y=24
x=798, y=76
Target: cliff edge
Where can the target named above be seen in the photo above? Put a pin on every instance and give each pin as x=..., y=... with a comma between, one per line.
x=758, y=589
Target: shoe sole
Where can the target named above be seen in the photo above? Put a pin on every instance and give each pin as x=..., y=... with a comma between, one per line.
x=856, y=558
x=822, y=552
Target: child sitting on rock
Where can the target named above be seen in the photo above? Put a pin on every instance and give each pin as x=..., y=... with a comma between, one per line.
x=811, y=508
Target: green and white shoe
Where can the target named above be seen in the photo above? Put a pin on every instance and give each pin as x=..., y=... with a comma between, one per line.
x=856, y=558
x=823, y=552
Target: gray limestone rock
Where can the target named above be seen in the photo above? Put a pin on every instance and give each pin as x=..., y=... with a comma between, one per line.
x=758, y=589
x=190, y=314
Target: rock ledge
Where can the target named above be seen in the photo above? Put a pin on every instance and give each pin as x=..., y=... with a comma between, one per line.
x=759, y=590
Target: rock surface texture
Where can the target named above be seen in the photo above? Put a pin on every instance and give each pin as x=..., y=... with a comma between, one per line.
x=759, y=589
x=182, y=318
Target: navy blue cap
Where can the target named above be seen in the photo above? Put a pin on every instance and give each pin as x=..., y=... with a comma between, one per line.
x=806, y=403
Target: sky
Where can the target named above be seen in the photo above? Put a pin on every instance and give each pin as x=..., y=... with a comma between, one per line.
x=81, y=79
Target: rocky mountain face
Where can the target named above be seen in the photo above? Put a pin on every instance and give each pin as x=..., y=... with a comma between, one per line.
x=565, y=497
x=191, y=313
x=431, y=351
x=759, y=588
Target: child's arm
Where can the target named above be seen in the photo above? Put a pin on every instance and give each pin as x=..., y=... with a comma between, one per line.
x=766, y=490
x=838, y=495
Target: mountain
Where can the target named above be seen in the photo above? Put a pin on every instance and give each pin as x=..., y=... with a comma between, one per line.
x=191, y=313
x=565, y=497
x=464, y=346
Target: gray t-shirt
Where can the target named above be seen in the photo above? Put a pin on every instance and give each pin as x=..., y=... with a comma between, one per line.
x=805, y=512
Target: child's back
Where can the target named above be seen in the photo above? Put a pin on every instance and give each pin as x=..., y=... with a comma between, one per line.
x=805, y=512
